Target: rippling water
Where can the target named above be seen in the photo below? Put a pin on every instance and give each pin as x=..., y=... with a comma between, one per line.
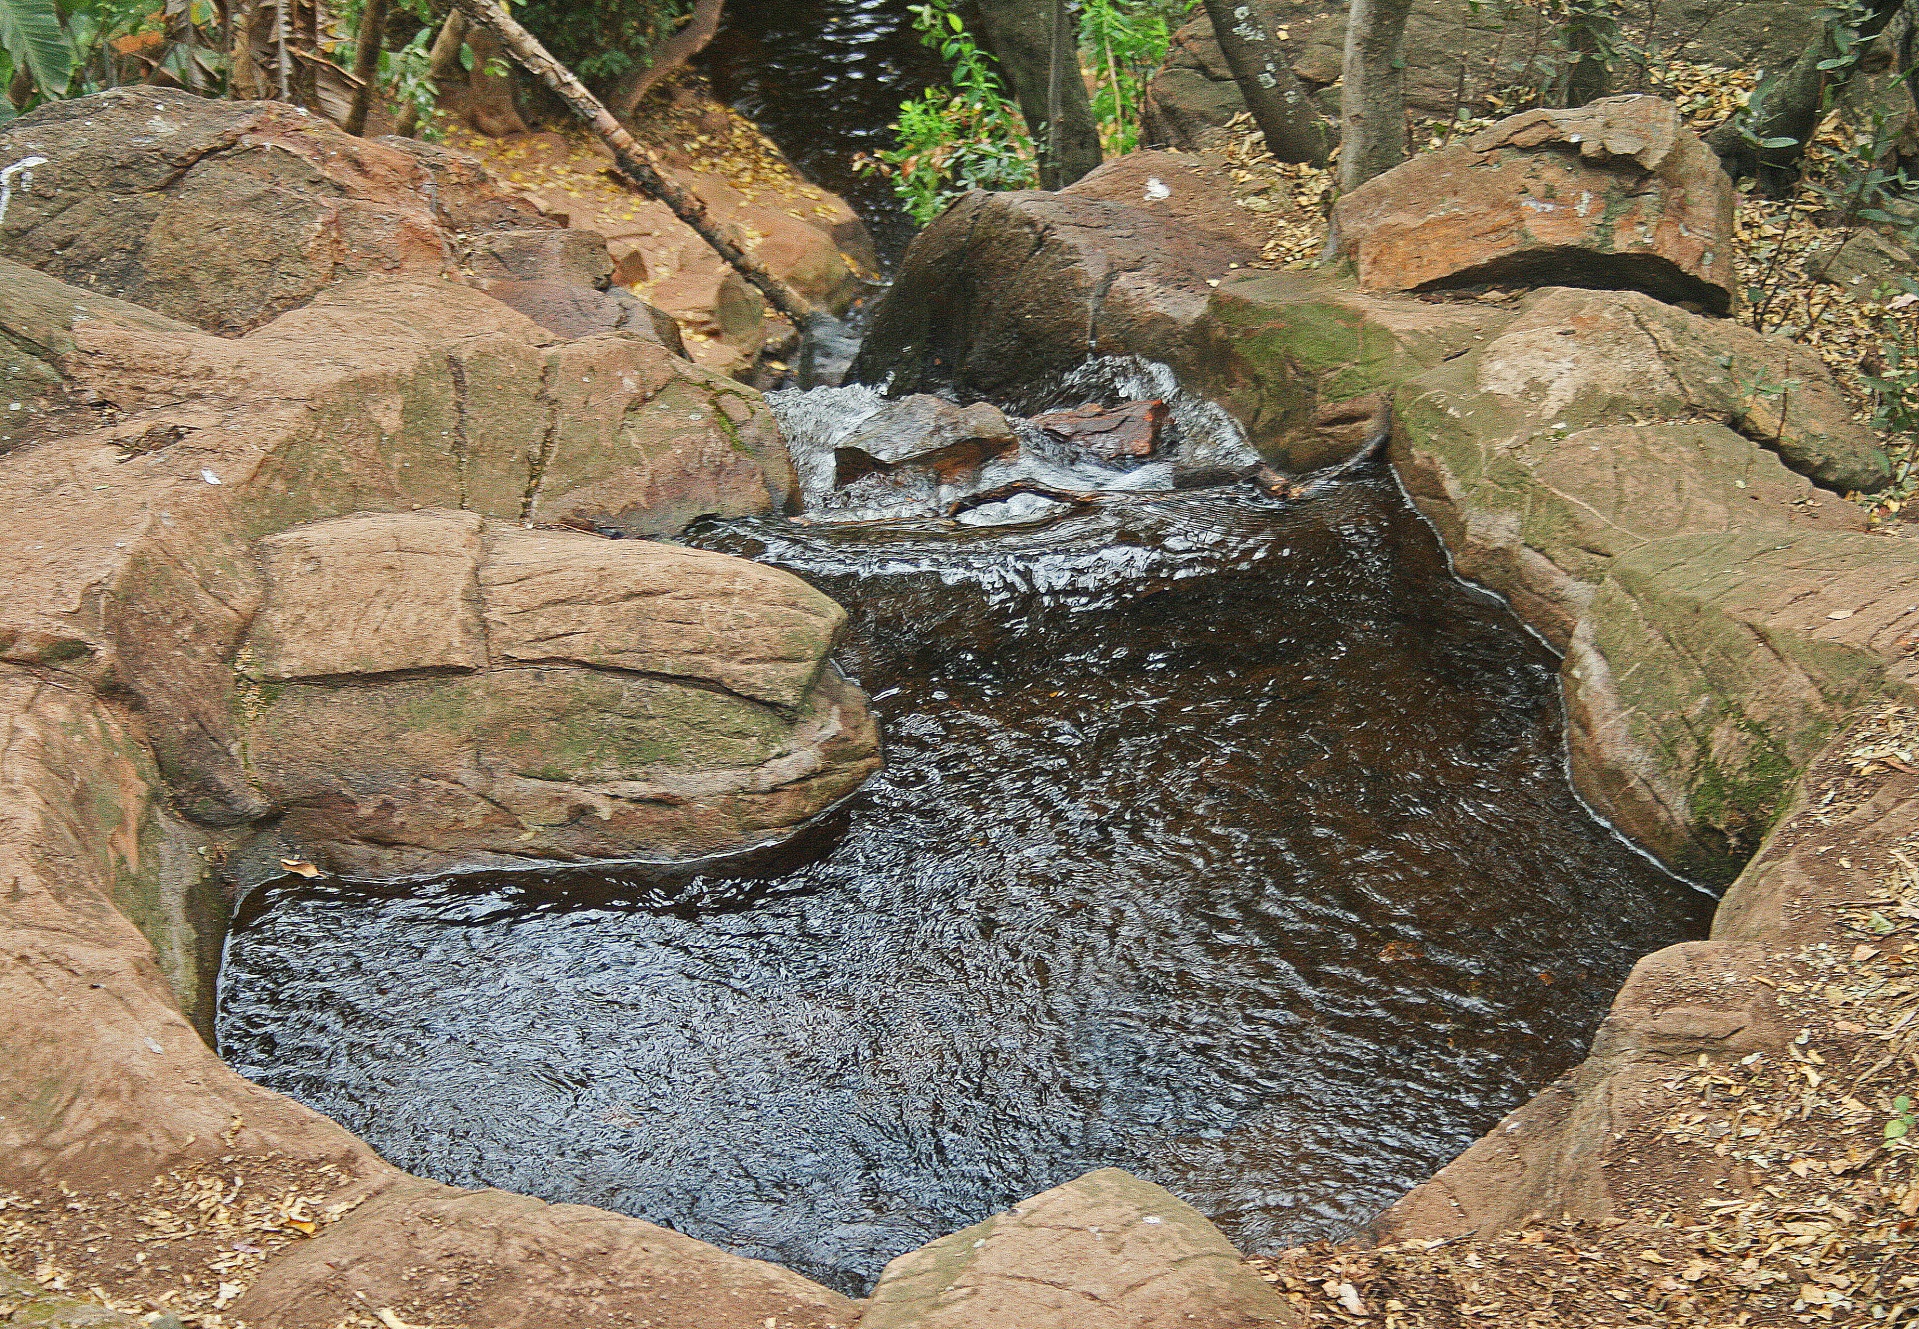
x=1223, y=840
x=825, y=79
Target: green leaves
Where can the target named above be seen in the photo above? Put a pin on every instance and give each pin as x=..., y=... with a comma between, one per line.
x=33, y=36
x=1903, y=1121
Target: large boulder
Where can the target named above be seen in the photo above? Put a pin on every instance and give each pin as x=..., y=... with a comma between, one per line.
x=1579, y=359
x=1107, y=1251
x=429, y=688
x=1286, y=351
x=137, y=562
x=1618, y=194
x=1005, y=289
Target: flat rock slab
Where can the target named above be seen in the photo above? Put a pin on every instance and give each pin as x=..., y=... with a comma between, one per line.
x=371, y=595
x=1617, y=193
x=1107, y=1251
x=926, y=433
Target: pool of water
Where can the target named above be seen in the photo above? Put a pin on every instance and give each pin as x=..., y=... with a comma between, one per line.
x=1221, y=839
x=825, y=79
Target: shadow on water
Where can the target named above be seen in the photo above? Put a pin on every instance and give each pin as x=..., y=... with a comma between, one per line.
x=825, y=79
x=1224, y=840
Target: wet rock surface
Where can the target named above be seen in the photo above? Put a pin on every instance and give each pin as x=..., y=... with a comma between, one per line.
x=1617, y=194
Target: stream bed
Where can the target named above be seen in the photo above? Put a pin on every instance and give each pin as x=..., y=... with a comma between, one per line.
x=1222, y=838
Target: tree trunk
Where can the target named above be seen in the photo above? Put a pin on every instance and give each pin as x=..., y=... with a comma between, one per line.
x=1019, y=35
x=442, y=62
x=1790, y=104
x=1590, y=33
x=366, y=64
x=633, y=160
x=675, y=51
x=1372, y=102
x=489, y=106
x=1293, y=130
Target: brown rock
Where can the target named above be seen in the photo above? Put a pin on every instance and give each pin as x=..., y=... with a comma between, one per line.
x=571, y=310
x=1131, y=430
x=222, y=214
x=549, y=254
x=1183, y=188
x=924, y=433
x=1005, y=289
x=657, y=609
x=1615, y=194
x=1107, y=1251
x=370, y=595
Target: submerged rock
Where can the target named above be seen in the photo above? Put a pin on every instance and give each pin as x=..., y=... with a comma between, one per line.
x=1618, y=194
x=928, y=434
x=1107, y=1251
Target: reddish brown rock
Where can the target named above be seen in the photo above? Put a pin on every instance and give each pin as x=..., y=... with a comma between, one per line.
x=1131, y=430
x=1107, y=1251
x=1618, y=193
x=924, y=433
x=1190, y=190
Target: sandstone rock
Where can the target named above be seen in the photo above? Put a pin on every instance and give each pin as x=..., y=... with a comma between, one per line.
x=24, y=1304
x=651, y=608
x=1131, y=430
x=222, y=214
x=568, y=309
x=1283, y=351
x=1576, y=359
x=370, y=595
x=1107, y=1251
x=924, y=433
x=551, y=254
x=1614, y=194
x=1005, y=289
x=140, y=572
x=1183, y=188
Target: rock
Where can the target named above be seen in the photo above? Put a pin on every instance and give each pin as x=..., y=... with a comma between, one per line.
x=1286, y=353
x=1452, y=47
x=1005, y=289
x=924, y=433
x=551, y=254
x=1578, y=359
x=1131, y=430
x=1615, y=194
x=221, y=214
x=1865, y=261
x=132, y=569
x=24, y=1304
x=1107, y=1251
x=572, y=310
x=1189, y=190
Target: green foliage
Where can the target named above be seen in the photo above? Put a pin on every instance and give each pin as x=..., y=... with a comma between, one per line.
x=1123, y=42
x=1902, y=1121
x=36, y=40
x=971, y=134
x=601, y=39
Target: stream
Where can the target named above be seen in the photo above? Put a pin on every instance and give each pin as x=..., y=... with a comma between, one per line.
x=1224, y=839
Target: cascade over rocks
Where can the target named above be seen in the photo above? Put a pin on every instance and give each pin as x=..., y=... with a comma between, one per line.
x=1618, y=193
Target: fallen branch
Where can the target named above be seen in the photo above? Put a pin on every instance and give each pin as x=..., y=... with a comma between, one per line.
x=675, y=51
x=999, y=493
x=635, y=163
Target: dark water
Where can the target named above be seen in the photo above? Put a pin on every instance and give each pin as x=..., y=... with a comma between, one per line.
x=825, y=79
x=1221, y=840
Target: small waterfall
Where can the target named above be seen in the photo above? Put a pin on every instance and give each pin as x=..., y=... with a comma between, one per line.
x=1042, y=474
